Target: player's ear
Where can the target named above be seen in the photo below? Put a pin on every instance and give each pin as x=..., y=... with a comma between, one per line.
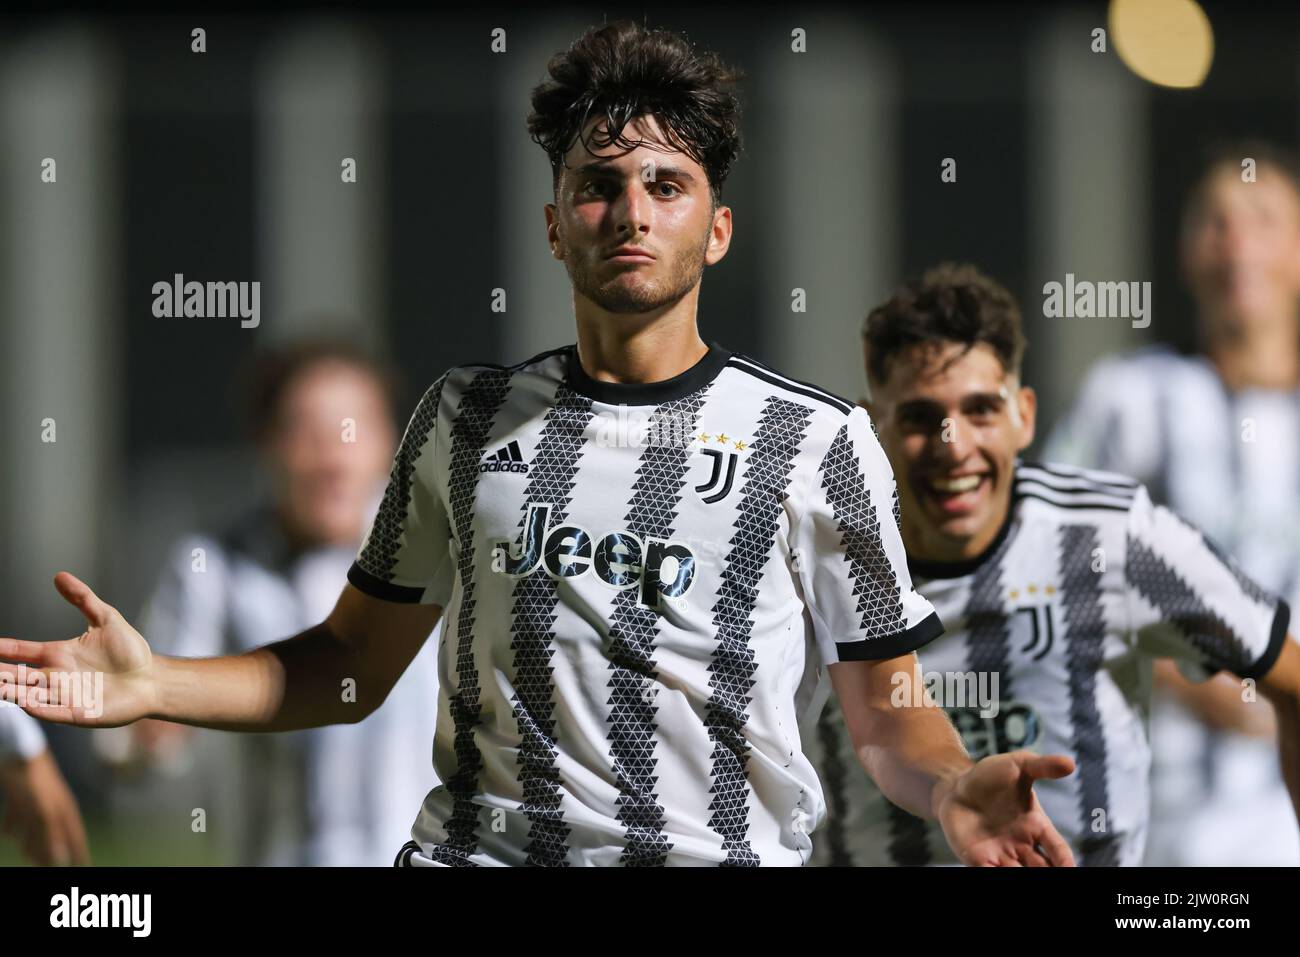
x=553, y=236
x=1027, y=405
x=719, y=236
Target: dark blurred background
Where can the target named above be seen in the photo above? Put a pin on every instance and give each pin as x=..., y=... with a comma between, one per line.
x=225, y=166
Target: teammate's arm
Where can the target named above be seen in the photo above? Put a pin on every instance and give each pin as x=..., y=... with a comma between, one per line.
x=912, y=753
x=1281, y=685
x=1216, y=702
x=988, y=810
x=1188, y=600
x=337, y=672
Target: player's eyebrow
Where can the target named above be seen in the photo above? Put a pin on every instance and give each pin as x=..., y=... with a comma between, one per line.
x=917, y=406
x=673, y=172
x=609, y=171
x=992, y=398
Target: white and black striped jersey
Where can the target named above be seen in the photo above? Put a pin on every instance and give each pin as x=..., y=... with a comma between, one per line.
x=1229, y=461
x=316, y=797
x=1050, y=637
x=636, y=581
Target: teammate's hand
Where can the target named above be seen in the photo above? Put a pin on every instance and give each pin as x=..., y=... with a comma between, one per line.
x=992, y=818
x=41, y=813
x=101, y=679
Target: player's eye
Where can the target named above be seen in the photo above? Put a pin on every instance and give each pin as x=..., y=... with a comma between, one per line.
x=665, y=188
x=918, y=420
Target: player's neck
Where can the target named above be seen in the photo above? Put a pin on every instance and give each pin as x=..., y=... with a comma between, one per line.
x=1266, y=357
x=640, y=347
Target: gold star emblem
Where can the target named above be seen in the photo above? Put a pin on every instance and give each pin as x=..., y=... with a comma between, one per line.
x=740, y=446
x=1050, y=590
x=704, y=436
x=1032, y=589
x=1014, y=594
x=722, y=439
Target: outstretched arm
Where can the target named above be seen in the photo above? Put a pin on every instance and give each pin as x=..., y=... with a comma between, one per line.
x=987, y=810
x=337, y=672
x=1281, y=685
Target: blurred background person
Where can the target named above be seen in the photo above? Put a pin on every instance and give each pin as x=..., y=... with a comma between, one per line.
x=1216, y=436
x=321, y=414
x=40, y=813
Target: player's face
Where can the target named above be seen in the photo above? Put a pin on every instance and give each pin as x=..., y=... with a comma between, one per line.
x=1241, y=248
x=636, y=228
x=325, y=468
x=952, y=424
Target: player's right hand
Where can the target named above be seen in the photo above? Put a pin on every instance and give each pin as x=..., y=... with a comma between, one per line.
x=101, y=679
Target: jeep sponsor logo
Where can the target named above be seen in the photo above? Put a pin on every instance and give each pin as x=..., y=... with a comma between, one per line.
x=659, y=568
x=1016, y=725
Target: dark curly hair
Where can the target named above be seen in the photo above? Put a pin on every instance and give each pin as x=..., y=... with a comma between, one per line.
x=953, y=302
x=624, y=70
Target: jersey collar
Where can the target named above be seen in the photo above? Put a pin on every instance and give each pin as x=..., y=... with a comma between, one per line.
x=645, y=393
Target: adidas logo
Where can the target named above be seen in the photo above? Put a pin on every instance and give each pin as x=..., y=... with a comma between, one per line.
x=505, y=459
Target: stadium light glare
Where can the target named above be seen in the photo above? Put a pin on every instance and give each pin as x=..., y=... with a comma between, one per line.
x=1165, y=42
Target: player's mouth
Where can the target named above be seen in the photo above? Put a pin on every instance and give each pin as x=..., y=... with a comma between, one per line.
x=630, y=254
x=955, y=494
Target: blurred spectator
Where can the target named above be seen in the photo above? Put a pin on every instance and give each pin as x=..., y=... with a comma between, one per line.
x=322, y=415
x=1216, y=436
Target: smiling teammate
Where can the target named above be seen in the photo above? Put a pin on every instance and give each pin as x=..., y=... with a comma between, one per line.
x=629, y=614
x=1058, y=587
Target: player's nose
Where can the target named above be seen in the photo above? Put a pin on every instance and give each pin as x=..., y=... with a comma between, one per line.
x=631, y=210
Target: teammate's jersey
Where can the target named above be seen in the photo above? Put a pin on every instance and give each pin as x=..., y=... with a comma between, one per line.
x=1168, y=420
x=636, y=579
x=1050, y=637
x=337, y=795
x=20, y=733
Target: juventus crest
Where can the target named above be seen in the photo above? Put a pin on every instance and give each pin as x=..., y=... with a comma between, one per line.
x=721, y=478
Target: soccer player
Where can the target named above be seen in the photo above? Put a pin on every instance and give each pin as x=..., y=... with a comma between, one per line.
x=41, y=814
x=1201, y=430
x=1058, y=587
x=336, y=795
x=636, y=539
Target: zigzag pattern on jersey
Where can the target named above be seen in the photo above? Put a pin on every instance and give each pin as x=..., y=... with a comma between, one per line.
x=1247, y=584
x=652, y=510
x=988, y=650
x=480, y=401
x=1085, y=635
x=782, y=426
x=1178, y=603
x=551, y=478
x=834, y=775
x=874, y=582
x=379, y=557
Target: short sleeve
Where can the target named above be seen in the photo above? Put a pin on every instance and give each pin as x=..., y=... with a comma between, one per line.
x=20, y=733
x=406, y=556
x=1189, y=601
x=848, y=551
